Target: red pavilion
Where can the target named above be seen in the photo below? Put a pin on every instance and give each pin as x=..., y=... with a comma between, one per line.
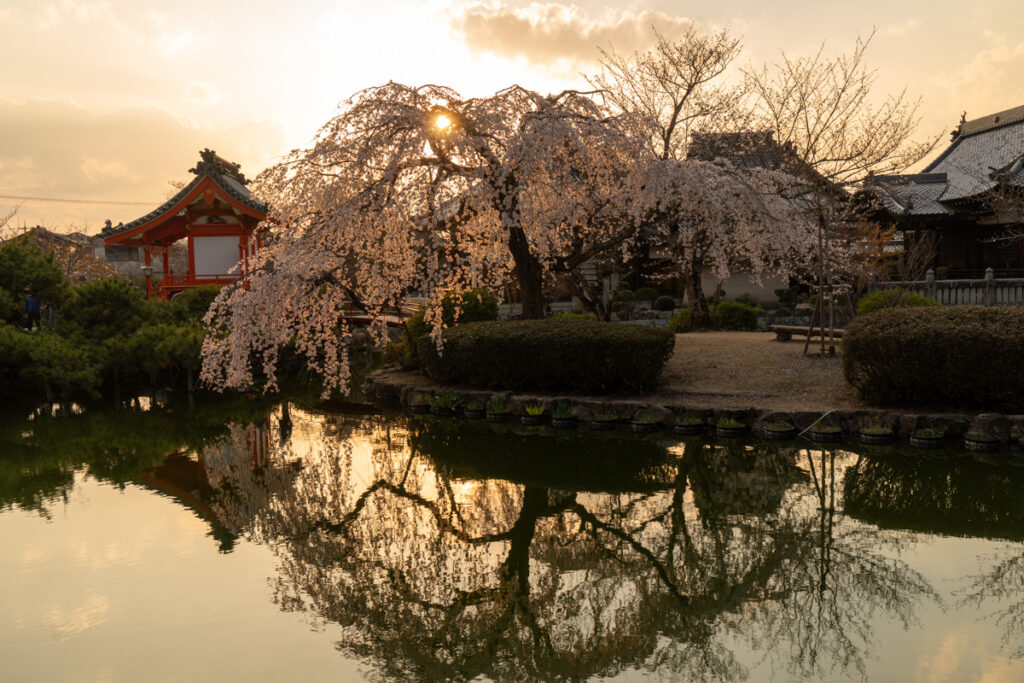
x=218, y=216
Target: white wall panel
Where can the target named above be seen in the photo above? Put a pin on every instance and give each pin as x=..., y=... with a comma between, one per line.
x=215, y=255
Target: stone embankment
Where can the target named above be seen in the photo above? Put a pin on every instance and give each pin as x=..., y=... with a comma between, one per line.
x=1006, y=429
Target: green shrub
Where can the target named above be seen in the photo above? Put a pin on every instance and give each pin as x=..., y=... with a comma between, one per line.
x=59, y=370
x=14, y=356
x=623, y=301
x=680, y=321
x=393, y=354
x=962, y=356
x=664, y=303
x=192, y=304
x=646, y=294
x=892, y=298
x=476, y=305
x=791, y=296
x=415, y=327
x=565, y=315
x=25, y=265
x=734, y=315
x=581, y=356
x=100, y=309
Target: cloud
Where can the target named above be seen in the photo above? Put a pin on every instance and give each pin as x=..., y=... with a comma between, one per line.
x=945, y=665
x=84, y=11
x=173, y=43
x=66, y=623
x=57, y=149
x=559, y=35
x=981, y=85
x=993, y=64
x=901, y=30
x=97, y=170
x=202, y=92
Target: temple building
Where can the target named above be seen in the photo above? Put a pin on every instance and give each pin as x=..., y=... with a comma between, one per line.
x=969, y=197
x=215, y=213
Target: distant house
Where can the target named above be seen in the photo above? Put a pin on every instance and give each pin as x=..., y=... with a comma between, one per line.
x=215, y=214
x=72, y=252
x=970, y=195
x=127, y=261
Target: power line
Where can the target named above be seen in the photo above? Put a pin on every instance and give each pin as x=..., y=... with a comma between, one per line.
x=74, y=201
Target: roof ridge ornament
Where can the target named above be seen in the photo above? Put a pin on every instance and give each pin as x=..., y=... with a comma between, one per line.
x=956, y=131
x=213, y=164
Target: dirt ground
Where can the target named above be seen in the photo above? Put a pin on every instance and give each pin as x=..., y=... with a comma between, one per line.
x=726, y=369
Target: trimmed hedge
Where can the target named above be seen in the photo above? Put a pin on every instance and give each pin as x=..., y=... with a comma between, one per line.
x=574, y=316
x=646, y=294
x=734, y=315
x=475, y=305
x=892, y=298
x=958, y=356
x=582, y=356
x=623, y=301
x=664, y=303
x=680, y=321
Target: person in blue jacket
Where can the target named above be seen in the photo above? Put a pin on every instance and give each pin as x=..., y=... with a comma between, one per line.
x=33, y=311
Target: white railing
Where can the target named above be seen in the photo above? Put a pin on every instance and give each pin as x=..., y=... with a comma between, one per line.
x=989, y=291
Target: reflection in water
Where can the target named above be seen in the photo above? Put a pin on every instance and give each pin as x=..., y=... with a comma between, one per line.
x=448, y=550
x=657, y=563
x=956, y=497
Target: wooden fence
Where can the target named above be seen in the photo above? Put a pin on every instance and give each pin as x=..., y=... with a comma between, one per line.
x=986, y=292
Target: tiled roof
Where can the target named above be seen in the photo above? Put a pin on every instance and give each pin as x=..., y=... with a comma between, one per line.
x=749, y=149
x=984, y=153
x=915, y=195
x=221, y=171
x=760, y=150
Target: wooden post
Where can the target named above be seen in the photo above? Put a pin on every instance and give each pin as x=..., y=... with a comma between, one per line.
x=818, y=308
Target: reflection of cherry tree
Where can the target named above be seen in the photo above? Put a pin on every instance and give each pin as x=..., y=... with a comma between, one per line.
x=433, y=577
x=954, y=497
x=1003, y=585
x=850, y=573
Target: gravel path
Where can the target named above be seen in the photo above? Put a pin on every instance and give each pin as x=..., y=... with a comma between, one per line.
x=724, y=369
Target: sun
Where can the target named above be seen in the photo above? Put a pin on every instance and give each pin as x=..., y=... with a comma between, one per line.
x=442, y=122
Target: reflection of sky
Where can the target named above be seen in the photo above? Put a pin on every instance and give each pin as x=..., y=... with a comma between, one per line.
x=127, y=585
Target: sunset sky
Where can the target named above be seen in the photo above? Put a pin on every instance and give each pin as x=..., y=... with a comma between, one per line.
x=109, y=100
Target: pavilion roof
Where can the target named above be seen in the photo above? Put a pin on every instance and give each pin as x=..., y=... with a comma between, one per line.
x=984, y=153
x=225, y=174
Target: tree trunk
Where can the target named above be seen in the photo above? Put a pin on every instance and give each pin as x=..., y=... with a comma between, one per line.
x=529, y=273
x=700, y=316
x=517, y=563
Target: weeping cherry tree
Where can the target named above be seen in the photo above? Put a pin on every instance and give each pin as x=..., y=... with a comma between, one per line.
x=416, y=190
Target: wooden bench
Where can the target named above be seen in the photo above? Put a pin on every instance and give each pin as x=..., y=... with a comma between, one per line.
x=786, y=332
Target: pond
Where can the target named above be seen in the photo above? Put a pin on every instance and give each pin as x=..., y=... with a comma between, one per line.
x=249, y=541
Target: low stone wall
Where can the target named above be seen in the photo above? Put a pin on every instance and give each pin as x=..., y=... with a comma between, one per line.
x=1008, y=429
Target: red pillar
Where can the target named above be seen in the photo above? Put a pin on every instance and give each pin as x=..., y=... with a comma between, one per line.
x=149, y=275
x=167, y=269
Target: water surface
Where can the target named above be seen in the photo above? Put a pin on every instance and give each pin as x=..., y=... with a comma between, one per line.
x=245, y=541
